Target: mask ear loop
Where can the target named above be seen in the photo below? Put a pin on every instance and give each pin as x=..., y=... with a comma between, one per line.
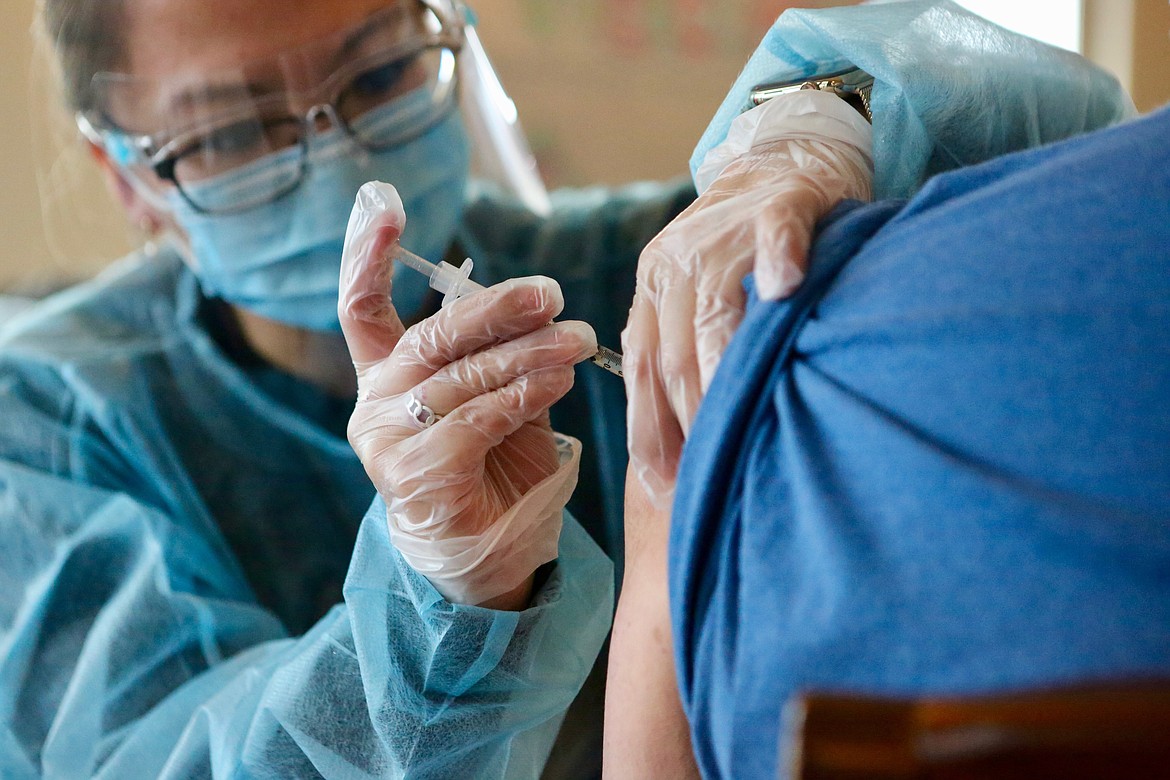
x=125, y=153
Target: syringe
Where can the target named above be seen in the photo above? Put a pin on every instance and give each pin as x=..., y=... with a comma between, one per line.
x=456, y=282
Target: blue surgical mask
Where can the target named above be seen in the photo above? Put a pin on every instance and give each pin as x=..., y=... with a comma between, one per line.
x=282, y=260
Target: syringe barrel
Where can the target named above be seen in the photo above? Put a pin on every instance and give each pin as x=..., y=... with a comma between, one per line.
x=456, y=282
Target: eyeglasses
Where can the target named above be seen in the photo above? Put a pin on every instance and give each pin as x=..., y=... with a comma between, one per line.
x=392, y=91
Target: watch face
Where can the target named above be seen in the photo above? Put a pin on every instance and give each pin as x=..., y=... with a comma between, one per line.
x=850, y=81
x=853, y=86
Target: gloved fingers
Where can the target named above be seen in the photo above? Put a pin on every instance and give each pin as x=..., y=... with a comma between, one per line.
x=785, y=231
x=720, y=298
x=655, y=435
x=719, y=311
x=368, y=319
x=811, y=176
x=427, y=479
x=486, y=420
x=379, y=425
x=500, y=313
x=432, y=476
x=779, y=206
x=782, y=262
x=783, y=237
x=559, y=344
x=432, y=473
x=678, y=365
x=447, y=424
x=523, y=459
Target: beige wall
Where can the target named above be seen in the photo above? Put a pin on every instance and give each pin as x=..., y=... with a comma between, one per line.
x=609, y=91
x=1131, y=39
x=17, y=168
x=1150, y=78
x=76, y=230
x=612, y=91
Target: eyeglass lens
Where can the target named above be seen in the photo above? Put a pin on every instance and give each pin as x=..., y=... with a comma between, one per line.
x=386, y=102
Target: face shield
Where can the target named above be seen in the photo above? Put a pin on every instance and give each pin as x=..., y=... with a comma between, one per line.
x=499, y=149
x=382, y=83
x=259, y=164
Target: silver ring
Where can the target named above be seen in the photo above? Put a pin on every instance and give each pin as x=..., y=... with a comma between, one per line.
x=421, y=413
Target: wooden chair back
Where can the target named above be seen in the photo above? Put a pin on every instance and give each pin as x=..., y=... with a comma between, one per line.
x=1118, y=731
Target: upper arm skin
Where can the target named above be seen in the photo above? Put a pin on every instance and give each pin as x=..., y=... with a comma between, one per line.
x=646, y=731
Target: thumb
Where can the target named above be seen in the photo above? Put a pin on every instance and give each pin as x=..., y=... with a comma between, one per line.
x=368, y=319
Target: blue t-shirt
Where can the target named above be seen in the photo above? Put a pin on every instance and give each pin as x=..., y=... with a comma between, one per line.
x=943, y=466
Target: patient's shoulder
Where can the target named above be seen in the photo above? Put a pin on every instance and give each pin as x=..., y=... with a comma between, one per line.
x=1129, y=160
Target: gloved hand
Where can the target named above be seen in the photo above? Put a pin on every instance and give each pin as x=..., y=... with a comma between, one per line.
x=784, y=165
x=452, y=421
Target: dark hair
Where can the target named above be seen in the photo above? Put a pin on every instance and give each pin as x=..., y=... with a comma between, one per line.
x=86, y=37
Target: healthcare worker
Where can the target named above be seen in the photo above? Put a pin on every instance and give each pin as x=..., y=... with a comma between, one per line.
x=179, y=504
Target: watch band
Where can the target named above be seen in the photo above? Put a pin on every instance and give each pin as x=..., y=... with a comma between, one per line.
x=853, y=86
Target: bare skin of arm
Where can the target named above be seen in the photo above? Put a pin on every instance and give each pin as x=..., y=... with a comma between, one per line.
x=646, y=732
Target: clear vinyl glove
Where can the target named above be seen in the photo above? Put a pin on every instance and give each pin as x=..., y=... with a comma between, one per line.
x=452, y=422
x=784, y=165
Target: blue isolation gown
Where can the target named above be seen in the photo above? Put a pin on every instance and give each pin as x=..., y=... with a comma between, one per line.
x=177, y=522
x=943, y=466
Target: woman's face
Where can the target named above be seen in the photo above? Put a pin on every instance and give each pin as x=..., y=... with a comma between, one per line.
x=217, y=109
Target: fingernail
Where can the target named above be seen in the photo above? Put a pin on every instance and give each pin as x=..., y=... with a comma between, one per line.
x=777, y=279
x=584, y=333
x=549, y=292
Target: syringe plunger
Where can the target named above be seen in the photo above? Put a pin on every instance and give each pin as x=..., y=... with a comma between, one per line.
x=451, y=281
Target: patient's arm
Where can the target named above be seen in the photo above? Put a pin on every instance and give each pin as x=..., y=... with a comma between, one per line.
x=646, y=733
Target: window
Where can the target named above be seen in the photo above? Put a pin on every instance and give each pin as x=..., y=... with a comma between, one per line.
x=1057, y=22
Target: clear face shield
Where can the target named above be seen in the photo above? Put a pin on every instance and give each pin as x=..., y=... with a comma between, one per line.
x=499, y=149
x=381, y=84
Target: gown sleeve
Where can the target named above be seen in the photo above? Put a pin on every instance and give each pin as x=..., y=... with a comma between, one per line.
x=130, y=646
x=950, y=88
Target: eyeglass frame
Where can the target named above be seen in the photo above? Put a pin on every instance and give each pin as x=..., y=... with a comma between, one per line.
x=162, y=159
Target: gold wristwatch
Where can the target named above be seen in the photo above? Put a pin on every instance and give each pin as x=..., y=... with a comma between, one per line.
x=853, y=86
